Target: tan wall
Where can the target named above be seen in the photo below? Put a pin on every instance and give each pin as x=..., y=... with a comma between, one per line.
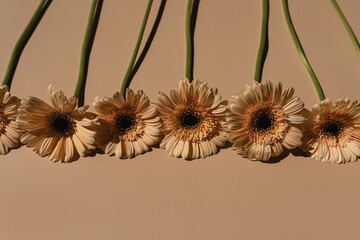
x=155, y=196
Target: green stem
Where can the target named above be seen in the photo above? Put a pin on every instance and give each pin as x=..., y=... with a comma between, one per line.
x=125, y=82
x=301, y=51
x=86, y=47
x=264, y=29
x=347, y=26
x=24, y=37
x=189, y=46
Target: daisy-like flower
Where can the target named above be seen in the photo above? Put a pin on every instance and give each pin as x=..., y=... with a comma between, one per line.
x=193, y=120
x=127, y=127
x=263, y=120
x=9, y=132
x=61, y=131
x=332, y=131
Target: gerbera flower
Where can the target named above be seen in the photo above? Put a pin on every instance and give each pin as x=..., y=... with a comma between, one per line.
x=332, y=132
x=193, y=120
x=9, y=132
x=61, y=131
x=127, y=127
x=263, y=120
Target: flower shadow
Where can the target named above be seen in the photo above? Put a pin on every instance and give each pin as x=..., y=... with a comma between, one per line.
x=96, y=151
x=299, y=153
x=226, y=145
x=277, y=159
x=295, y=152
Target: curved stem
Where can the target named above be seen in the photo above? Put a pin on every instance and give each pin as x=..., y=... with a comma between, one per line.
x=86, y=47
x=348, y=27
x=189, y=51
x=301, y=51
x=125, y=83
x=24, y=37
x=263, y=41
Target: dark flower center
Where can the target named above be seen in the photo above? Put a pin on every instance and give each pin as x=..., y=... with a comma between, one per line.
x=61, y=123
x=332, y=128
x=190, y=119
x=125, y=123
x=263, y=120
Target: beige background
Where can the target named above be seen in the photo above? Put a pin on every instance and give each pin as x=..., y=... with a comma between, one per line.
x=155, y=196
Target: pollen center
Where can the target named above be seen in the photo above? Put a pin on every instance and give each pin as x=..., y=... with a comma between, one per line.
x=263, y=120
x=332, y=128
x=125, y=123
x=61, y=123
x=190, y=119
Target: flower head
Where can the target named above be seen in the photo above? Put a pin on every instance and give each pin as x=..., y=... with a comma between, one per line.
x=193, y=120
x=9, y=132
x=332, y=131
x=127, y=127
x=61, y=131
x=263, y=120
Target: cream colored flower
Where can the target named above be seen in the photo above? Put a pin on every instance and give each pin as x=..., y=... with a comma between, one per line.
x=127, y=127
x=194, y=120
x=332, y=131
x=9, y=132
x=263, y=120
x=61, y=131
